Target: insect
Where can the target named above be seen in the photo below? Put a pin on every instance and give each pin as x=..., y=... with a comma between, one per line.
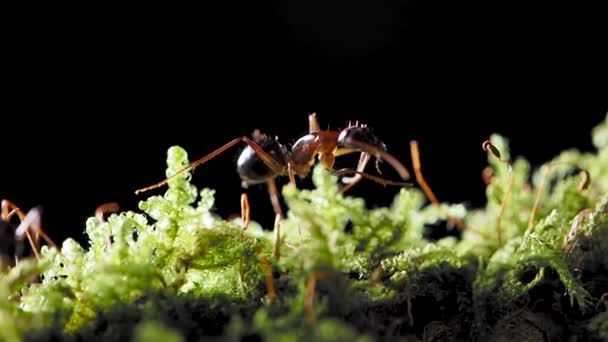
x=266, y=158
x=11, y=237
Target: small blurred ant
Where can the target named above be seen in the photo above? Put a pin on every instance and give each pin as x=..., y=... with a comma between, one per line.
x=11, y=238
x=266, y=158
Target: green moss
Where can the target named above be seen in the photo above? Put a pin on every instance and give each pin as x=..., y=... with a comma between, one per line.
x=175, y=271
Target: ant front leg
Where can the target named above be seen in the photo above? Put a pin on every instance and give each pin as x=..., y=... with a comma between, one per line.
x=376, y=179
x=359, y=138
x=358, y=173
x=352, y=181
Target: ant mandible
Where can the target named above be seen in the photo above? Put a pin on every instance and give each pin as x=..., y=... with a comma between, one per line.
x=266, y=158
x=11, y=238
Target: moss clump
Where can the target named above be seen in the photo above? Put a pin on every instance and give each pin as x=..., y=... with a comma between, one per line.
x=535, y=266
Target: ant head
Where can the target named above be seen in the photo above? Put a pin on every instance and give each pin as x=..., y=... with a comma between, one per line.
x=359, y=134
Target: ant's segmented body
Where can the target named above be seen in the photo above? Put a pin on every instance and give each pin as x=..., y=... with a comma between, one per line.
x=266, y=158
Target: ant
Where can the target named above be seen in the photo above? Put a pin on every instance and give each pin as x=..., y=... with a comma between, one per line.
x=11, y=238
x=266, y=158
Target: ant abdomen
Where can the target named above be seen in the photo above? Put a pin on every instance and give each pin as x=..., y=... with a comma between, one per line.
x=251, y=168
x=351, y=136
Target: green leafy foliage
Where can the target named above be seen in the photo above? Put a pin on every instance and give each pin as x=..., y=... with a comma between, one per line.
x=532, y=263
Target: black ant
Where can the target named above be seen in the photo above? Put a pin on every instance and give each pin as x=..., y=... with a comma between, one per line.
x=11, y=237
x=266, y=158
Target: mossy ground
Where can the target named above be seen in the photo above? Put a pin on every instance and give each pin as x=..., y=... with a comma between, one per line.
x=178, y=272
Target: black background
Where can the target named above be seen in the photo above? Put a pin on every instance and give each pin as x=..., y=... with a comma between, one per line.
x=93, y=97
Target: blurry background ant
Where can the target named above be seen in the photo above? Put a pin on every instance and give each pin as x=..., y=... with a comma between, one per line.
x=12, y=244
x=266, y=158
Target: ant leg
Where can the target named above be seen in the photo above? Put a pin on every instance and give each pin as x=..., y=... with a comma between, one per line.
x=351, y=181
x=8, y=210
x=313, y=123
x=32, y=221
x=310, y=295
x=266, y=158
x=344, y=150
x=376, y=179
x=427, y=189
x=274, y=197
x=103, y=209
x=364, y=158
x=341, y=151
x=380, y=154
x=245, y=211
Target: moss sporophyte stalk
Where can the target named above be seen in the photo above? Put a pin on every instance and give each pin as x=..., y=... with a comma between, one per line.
x=532, y=263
